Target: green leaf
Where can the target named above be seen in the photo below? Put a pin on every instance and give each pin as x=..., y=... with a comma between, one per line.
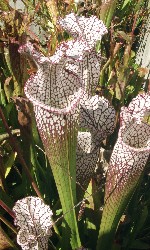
x=125, y=3
x=132, y=54
x=2, y=96
x=138, y=5
x=4, y=5
x=8, y=88
x=9, y=163
x=107, y=11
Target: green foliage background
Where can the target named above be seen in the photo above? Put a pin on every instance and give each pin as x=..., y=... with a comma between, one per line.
x=121, y=79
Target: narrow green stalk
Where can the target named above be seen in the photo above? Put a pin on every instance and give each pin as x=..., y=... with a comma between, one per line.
x=64, y=171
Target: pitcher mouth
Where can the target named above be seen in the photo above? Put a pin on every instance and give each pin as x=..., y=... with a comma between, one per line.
x=121, y=137
x=54, y=110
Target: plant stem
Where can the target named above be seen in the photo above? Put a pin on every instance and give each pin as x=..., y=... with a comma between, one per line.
x=7, y=223
x=7, y=209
